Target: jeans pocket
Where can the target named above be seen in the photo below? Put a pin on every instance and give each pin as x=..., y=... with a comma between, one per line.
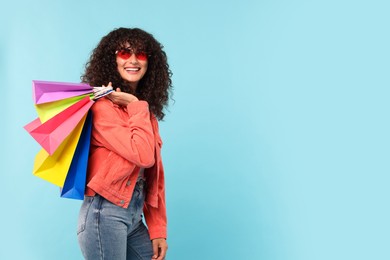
x=83, y=215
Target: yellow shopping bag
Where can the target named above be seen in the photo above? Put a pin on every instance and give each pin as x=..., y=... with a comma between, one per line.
x=54, y=168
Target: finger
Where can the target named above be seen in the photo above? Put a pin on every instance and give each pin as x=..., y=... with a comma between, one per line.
x=163, y=251
x=109, y=84
x=118, y=90
x=155, y=250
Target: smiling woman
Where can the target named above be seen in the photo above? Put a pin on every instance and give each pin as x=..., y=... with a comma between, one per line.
x=125, y=178
x=113, y=55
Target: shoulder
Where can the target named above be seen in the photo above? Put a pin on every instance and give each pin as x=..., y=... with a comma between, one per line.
x=154, y=121
x=104, y=109
x=103, y=104
x=156, y=130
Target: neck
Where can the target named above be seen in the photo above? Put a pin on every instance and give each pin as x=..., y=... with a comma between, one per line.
x=133, y=86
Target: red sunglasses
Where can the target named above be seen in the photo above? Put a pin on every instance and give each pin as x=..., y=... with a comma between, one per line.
x=126, y=53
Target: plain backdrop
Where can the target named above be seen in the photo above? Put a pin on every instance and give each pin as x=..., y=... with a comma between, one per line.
x=276, y=145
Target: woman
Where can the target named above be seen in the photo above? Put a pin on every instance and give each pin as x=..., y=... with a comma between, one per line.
x=125, y=178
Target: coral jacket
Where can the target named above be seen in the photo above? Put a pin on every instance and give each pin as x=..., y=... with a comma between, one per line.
x=123, y=141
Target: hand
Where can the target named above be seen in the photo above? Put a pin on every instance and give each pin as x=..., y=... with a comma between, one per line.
x=160, y=248
x=121, y=98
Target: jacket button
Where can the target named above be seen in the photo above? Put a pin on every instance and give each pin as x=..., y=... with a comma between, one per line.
x=122, y=202
x=128, y=183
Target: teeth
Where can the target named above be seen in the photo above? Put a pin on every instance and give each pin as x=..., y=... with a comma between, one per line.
x=132, y=69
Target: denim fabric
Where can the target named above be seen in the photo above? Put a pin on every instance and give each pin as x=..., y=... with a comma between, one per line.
x=106, y=231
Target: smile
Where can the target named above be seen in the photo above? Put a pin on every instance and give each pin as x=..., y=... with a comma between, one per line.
x=133, y=69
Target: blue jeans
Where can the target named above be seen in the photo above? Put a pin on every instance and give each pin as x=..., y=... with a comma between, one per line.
x=106, y=231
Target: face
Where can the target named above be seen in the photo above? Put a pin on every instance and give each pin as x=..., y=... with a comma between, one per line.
x=131, y=66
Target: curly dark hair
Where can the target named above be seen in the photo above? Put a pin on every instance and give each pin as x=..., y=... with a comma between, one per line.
x=154, y=87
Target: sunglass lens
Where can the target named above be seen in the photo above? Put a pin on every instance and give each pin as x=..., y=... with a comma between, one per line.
x=124, y=54
x=141, y=56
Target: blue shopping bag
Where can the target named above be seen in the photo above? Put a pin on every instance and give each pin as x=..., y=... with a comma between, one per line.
x=74, y=186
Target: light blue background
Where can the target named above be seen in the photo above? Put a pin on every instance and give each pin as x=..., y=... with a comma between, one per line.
x=277, y=145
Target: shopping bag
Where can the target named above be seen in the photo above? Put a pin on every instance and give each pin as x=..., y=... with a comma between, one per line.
x=74, y=186
x=53, y=132
x=46, y=111
x=51, y=97
x=54, y=168
x=62, y=111
x=49, y=91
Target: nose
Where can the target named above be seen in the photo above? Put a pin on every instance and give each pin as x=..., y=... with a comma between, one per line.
x=133, y=58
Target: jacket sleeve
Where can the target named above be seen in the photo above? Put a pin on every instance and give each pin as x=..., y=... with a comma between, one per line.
x=130, y=136
x=156, y=218
x=155, y=206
